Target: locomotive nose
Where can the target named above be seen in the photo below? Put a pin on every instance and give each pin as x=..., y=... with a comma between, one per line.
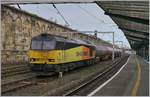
x=44, y=55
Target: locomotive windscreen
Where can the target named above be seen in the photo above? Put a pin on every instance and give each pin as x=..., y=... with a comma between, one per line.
x=48, y=45
x=36, y=44
x=43, y=44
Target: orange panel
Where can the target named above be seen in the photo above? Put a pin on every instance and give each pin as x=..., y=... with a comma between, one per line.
x=85, y=53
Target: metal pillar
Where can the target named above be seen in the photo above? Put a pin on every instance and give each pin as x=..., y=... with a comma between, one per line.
x=113, y=46
x=121, y=46
x=144, y=52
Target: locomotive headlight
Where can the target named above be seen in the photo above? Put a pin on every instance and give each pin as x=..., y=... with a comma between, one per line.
x=32, y=59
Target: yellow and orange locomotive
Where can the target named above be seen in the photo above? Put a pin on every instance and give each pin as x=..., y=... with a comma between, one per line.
x=55, y=53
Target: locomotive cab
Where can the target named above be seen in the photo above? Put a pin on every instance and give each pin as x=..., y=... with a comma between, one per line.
x=42, y=51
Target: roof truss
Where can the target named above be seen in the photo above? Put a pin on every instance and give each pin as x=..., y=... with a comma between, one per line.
x=134, y=19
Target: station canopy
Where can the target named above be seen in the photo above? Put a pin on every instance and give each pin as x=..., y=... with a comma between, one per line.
x=132, y=17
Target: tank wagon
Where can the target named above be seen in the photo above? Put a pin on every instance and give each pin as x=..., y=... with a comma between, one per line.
x=60, y=54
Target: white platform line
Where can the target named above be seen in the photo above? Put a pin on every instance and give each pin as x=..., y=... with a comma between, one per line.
x=101, y=86
x=147, y=61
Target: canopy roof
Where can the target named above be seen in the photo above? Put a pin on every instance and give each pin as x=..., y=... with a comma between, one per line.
x=132, y=17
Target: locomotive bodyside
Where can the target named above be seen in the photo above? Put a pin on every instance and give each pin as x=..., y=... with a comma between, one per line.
x=57, y=52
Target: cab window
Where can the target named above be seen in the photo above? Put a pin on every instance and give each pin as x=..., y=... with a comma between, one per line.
x=48, y=45
x=36, y=45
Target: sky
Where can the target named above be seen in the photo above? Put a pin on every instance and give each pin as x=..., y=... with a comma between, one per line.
x=81, y=17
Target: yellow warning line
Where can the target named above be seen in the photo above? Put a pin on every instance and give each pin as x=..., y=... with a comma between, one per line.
x=138, y=80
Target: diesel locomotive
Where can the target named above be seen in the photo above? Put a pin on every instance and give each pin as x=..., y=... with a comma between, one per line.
x=60, y=54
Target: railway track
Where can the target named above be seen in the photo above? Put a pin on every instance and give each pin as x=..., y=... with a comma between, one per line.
x=29, y=80
x=91, y=83
x=14, y=70
x=10, y=85
x=13, y=76
x=22, y=81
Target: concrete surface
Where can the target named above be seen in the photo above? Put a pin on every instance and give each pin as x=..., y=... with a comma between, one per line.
x=129, y=80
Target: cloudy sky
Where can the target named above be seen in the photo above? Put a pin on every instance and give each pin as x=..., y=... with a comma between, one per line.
x=81, y=17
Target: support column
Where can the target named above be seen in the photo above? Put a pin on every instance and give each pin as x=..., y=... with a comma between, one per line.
x=113, y=47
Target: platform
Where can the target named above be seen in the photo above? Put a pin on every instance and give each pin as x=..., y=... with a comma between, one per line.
x=133, y=80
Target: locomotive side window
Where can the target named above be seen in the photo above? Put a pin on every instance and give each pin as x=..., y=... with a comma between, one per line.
x=36, y=45
x=71, y=45
x=59, y=45
x=48, y=45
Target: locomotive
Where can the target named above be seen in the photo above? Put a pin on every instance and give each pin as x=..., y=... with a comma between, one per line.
x=59, y=54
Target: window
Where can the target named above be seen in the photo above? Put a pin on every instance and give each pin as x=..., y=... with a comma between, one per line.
x=48, y=45
x=36, y=45
x=60, y=45
x=42, y=45
x=71, y=45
